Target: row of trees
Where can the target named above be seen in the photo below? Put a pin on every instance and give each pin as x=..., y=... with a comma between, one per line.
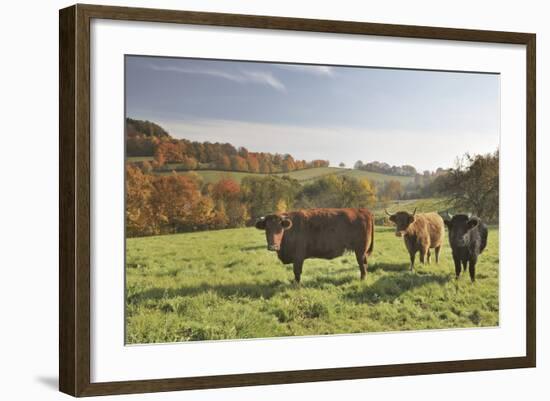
x=412, y=189
x=147, y=139
x=178, y=203
x=174, y=203
x=196, y=155
x=385, y=168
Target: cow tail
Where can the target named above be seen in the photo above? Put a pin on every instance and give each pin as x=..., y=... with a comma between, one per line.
x=371, y=246
x=484, y=234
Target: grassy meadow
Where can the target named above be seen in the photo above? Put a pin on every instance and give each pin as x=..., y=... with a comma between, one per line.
x=224, y=284
x=304, y=175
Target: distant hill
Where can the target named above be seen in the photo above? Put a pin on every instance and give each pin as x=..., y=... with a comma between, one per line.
x=304, y=176
x=147, y=139
x=211, y=160
x=146, y=128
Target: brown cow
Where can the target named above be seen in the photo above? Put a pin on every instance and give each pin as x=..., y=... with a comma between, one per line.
x=319, y=233
x=421, y=232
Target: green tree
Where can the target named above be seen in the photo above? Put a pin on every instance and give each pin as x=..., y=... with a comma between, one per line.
x=265, y=195
x=473, y=185
x=338, y=191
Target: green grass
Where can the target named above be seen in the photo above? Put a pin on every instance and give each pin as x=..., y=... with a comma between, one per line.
x=303, y=176
x=226, y=285
x=210, y=176
x=377, y=177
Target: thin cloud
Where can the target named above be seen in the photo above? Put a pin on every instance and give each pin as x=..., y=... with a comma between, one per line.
x=320, y=70
x=264, y=77
x=244, y=76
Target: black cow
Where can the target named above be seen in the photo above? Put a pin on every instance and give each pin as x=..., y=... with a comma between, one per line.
x=468, y=238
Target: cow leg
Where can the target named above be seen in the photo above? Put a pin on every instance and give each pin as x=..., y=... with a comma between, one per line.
x=458, y=268
x=297, y=267
x=366, y=264
x=429, y=257
x=362, y=261
x=472, y=269
x=423, y=255
x=412, y=255
x=437, y=250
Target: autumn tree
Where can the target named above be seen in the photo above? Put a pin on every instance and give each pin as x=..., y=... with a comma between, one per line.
x=243, y=152
x=189, y=163
x=238, y=163
x=224, y=163
x=139, y=215
x=265, y=167
x=227, y=193
x=173, y=202
x=203, y=214
x=170, y=152
x=391, y=190
x=226, y=189
x=253, y=164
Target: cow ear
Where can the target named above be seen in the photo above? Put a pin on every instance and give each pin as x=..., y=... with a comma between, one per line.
x=392, y=218
x=412, y=218
x=472, y=223
x=447, y=223
x=260, y=224
x=286, y=223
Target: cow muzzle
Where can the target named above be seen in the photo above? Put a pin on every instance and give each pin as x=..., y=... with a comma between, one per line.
x=273, y=247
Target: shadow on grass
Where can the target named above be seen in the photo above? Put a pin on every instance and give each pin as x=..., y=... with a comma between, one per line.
x=390, y=287
x=323, y=281
x=387, y=288
x=250, y=290
x=253, y=248
x=389, y=267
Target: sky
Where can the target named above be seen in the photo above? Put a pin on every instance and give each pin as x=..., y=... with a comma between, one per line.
x=337, y=113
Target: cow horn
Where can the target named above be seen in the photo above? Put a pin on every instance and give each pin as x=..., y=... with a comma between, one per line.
x=414, y=211
x=389, y=214
x=449, y=215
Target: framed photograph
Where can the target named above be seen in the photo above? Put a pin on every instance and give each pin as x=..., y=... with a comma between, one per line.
x=249, y=200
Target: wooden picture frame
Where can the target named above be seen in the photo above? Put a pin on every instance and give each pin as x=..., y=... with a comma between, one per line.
x=74, y=203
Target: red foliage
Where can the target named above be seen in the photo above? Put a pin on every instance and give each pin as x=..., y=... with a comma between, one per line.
x=226, y=189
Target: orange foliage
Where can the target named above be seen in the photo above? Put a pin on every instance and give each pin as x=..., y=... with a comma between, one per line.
x=226, y=189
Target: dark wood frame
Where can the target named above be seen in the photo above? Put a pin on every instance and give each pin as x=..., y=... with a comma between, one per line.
x=74, y=199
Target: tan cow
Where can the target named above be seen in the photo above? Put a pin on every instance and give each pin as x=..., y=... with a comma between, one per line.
x=421, y=232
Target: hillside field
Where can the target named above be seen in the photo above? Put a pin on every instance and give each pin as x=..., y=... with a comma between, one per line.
x=421, y=206
x=303, y=176
x=225, y=285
